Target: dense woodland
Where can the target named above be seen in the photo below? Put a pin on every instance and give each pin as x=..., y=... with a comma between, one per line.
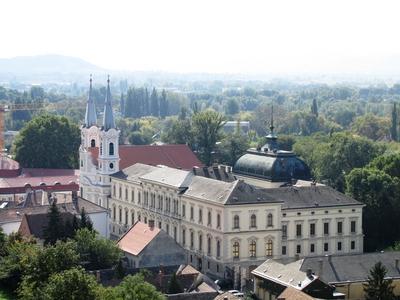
x=348, y=135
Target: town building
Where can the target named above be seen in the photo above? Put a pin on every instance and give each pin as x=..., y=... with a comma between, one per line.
x=101, y=155
x=229, y=219
x=141, y=246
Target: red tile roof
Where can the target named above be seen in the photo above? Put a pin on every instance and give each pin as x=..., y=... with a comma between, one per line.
x=174, y=156
x=137, y=238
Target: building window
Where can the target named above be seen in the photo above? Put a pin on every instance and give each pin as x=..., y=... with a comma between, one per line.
x=183, y=210
x=114, y=213
x=326, y=228
x=269, y=220
x=284, y=231
x=218, y=221
x=200, y=242
x=283, y=250
x=253, y=221
x=191, y=239
x=209, y=218
x=236, y=222
x=139, y=197
x=312, y=229
x=132, y=217
x=159, y=224
x=339, y=246
x=252, y=248
x=298, y=230
x=175, y=235
x=126, y=194
x=101, y=148
x=120, y=192
x=235, y=250
x=218, y=248
x=93, y=143
x=81, y=163
x=326, y=247
x=120, y=215
x=111, y=149
x=339, y=227
x=191, y=213
x=353, y=226
x=145, y=220
x=132, y=195
x=209, y=245
x=126, y=217
x=167, y=228
x=312, y=248
x=353, y=245
x=268, y=249
x=183, y=237
x=200, y=215
x=298, y=249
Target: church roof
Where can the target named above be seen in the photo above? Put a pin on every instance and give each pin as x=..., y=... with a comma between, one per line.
x=174, y=156
x=90, y=116
x=108, y=117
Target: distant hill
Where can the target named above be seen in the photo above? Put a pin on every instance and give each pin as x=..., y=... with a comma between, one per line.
x=45, y=64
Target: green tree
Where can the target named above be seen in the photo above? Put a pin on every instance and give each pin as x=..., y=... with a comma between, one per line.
x=372, y=127
x=394, y=121
x=314, y=108
x=163, y=104
x=3, y=243
x=154, y=103
x=96, y=252
x=72, y=284
x=174, y=286
x=134, y=287
x=232, y=107
x=207, y=131
x=378, y=287
x=232, y=147
x=139, y=138
x=48, y=142
x=55, y=229
x=85, y=221
x=390, y=164
x=179, y=132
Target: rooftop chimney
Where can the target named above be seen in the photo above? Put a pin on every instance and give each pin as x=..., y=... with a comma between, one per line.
x=309, y=273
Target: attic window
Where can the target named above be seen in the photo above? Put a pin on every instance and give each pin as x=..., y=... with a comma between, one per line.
x=299, y=213
x=326, y=211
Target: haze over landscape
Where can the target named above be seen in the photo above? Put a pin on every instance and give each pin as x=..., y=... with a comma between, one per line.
x=260, y=37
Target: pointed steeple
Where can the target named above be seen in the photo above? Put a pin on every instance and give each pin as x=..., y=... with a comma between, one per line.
x=90, y=116
x=108, y=118
x=272, y=138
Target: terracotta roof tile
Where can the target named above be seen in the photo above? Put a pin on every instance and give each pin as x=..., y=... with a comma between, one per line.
x=137, y=238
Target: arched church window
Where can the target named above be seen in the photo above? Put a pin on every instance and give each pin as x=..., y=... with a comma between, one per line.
x=92, y=143
x=111, y=149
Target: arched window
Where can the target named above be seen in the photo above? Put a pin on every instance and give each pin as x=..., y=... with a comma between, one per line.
x=218, y=221
x=92, y=143
x=252, y=248
x=235, y=250
x=269, y=220
x=111, y=149
x=236, y=221
x=218, y=248
x=200, y=242
x=268, y=248
x=209, y=245
x=209, y=218
x=253, y=221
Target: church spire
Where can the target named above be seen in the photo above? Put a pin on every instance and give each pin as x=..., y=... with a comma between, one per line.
x=108, y=118
x=90, y=116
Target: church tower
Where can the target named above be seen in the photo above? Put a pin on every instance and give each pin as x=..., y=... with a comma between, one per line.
x=98, y=153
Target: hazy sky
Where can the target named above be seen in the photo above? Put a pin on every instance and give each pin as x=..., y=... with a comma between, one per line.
x=208, y=36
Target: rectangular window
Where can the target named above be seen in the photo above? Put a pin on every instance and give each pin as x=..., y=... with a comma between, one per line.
x=339, y=246
x=167, y=228
x=312, y=248
x=298, y=230
x=200, y=216
x=132, y=196
x=298, y=249
x=340, y=227
x=191, y=213
x=284, y=231
x=326, y=247
x=326, y=228
x=283, y=250
x=353, y=226
x=183, y=237
x=183, y=210
x=312, y=229
x=353, y=245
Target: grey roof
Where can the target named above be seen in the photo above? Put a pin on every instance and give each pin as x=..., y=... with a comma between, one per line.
x=244, y=193
x=90, y=116
x=15, y=214
x=351, y=267
x=310, y=196
x=134, y=172
x=285, y=274
x=210, y=189
x=108, y=118
x=169, y=176
x=215, y=172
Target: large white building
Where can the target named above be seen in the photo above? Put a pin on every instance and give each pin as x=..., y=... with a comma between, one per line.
x=227, y=218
